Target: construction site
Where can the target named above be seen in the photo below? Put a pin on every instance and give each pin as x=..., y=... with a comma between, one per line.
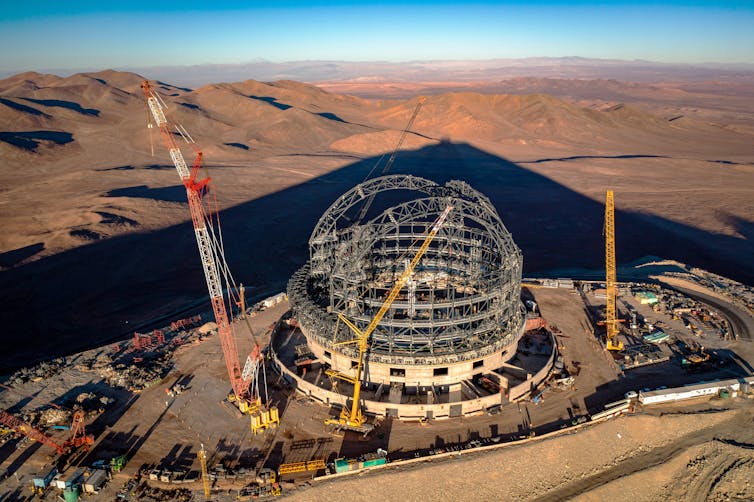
x=408, y=335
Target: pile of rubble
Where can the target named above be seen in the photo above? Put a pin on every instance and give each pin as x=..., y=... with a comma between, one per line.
x=94, y=363
x=38, y=372
x=52, y=416
x=138, y=375
x=146, y=492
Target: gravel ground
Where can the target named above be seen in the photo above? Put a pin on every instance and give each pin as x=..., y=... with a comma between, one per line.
x=640, y=457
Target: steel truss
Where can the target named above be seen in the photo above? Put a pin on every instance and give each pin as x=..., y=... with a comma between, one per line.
x=463, y=300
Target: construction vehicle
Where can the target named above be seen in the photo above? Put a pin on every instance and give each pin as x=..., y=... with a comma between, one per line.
x=265, y=485
x=79, y=438
x=118, y=463
x=202, y=454
x=266, y=476
x=204, y=214
x=354, y=419
x=696, y=359
x=611, y=318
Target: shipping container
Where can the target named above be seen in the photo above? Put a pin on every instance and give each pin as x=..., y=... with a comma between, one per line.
x=95, y=481
x=43, y=480
x=368, y=460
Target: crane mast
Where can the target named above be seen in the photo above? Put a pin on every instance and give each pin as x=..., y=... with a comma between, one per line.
x=205, y=476
x=209, y=251
x=354, y=419
x=611, y=318
x=391, y=159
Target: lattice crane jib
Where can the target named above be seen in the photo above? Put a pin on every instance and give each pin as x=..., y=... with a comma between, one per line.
x=611, y=314
x=20, y=427
x=389, y=163
x=209, y=241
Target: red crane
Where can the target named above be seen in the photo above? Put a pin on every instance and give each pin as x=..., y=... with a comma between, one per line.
x=209, y=240
x=77, y=438
x=19, y=426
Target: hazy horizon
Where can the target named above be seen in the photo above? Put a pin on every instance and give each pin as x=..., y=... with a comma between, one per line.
x=316, y=71
x=126, y=35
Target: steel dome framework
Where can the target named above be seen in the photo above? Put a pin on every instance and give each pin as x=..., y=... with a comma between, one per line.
x=463, y=300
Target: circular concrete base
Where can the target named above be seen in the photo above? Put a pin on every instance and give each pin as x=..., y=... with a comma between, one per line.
x=398, y=397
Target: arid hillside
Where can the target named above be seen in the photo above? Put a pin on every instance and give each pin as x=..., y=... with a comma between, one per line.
x=97, y=243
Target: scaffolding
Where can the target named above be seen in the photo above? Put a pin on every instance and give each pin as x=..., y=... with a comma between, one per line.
x=462, y=300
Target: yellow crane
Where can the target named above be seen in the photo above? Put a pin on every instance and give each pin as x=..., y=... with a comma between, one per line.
x=353, y=419
x=611, y=317
x=205, y=477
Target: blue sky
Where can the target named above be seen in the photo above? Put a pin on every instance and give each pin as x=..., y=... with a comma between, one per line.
x=90, y=35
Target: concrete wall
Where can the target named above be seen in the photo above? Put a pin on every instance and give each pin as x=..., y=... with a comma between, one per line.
x=522, y=390
x=414, y=375
x=443, y=410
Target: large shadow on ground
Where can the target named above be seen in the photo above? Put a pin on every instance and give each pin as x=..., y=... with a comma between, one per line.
x=104, y=290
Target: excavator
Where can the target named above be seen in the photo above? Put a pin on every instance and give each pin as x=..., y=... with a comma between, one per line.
x=352, y=418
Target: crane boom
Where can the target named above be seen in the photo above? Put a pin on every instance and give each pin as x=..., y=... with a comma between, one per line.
x=353, y=418
x=22, y=427
x=208, y=251
x=391, y=159
x=611, y=318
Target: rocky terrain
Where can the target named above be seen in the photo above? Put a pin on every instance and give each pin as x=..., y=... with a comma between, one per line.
x=97, y=244
x=647, y=457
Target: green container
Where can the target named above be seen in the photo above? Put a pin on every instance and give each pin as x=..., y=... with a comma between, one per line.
x=374, y=461
x=724, y=394
x=71, y=494
x=342, y=465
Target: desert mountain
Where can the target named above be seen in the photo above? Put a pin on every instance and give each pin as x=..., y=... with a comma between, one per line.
x=89, y=213
x=83, y=132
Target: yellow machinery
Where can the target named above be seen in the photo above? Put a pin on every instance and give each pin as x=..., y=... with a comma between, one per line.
x=264, y=419
x=265, y=485
x=353, y=419
x=205, y=477
x=611, y=317
x=310, y=465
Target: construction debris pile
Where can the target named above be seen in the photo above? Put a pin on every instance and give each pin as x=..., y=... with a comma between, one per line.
x=138, y=375
x=38, y=372
x=52, y=416
x=147, y=358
